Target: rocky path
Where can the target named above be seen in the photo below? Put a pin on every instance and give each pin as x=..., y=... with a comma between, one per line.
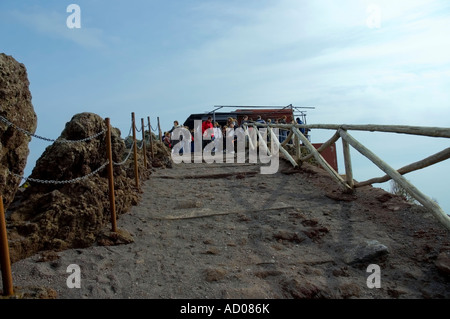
x=226, y=231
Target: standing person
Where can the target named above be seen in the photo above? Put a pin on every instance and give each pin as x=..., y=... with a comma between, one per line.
x=244, y=121
x=217, y=136
x=277, y=121
x=244, y=126
x=283, y=132
x=192, y=141
x=224, y=134
x=166, y=140
x=302, y=129
x=185, y=142
x=260, y=120
x=175, y=125
x=207, y=131
x=231, y=134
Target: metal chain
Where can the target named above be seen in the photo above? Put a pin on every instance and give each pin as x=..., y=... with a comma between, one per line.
x=142, y=145
x=60, y=140
x=75, y=180
x=129, y=133
x=126, y=159
x=139, y=130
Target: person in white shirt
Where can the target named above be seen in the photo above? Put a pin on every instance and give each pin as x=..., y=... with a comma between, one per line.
x=217, y=136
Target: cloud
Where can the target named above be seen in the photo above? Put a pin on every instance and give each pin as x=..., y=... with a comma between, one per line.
x=323, y=53
x=53, y=24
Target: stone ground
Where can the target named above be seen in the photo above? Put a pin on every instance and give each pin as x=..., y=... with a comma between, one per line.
x=218, y=231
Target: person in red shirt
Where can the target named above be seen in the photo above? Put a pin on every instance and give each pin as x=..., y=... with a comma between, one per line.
x=207, y=131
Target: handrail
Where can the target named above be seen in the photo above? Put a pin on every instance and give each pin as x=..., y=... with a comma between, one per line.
x=348, y=140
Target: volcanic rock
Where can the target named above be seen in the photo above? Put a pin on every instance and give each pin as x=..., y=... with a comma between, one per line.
x=71, y=215
x=443, y=262
x=16, y=108
x=366, y=251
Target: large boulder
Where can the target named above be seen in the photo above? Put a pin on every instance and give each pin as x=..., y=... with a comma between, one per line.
x=61, y=216
x=16, y=111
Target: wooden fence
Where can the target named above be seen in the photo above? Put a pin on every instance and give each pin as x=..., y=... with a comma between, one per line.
x=347, y=183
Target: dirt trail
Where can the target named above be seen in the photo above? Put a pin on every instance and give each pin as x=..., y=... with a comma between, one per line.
x=226, y=231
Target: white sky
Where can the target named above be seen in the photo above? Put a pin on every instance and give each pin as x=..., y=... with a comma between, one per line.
x=174, y=58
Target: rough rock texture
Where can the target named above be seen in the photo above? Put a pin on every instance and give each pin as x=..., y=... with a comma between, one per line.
x=61, y=216
x=16, y=107
x=162, y=157
x=443, y=262
x=276, y=236
x=368, y=250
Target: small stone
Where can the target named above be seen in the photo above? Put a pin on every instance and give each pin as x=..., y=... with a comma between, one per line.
x=215, y=274
x=367, y=251
x=443, y=263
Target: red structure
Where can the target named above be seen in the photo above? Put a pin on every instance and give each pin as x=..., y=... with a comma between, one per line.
x=329, y=154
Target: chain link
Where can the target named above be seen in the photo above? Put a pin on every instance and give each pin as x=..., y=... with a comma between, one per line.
x=70, y=181
x=142, y=145
x=126, y=159
x=60, y=140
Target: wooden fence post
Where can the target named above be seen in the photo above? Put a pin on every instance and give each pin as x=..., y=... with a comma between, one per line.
x=136, y=169
x=143, y=143
x=348, y=164
x=159, y=131
x=151, y=136
x=298, y=149
x=5, y=260
x=112, y=200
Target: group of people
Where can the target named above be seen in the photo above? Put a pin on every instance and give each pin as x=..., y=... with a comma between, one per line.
x=217, y=133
